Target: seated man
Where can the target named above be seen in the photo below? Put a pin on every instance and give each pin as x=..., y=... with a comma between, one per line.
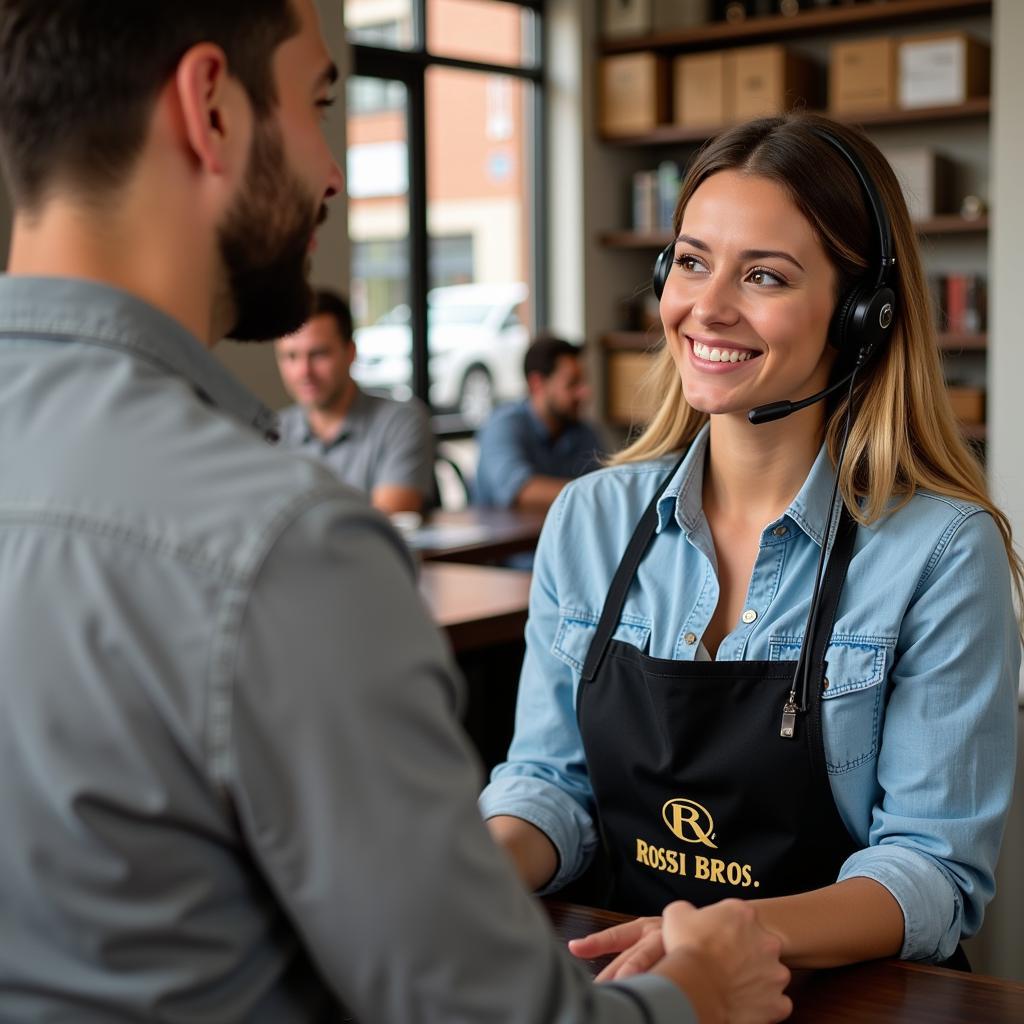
x=375, y=445
x=529, y=451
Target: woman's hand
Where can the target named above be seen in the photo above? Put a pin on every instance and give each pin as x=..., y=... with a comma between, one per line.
x=639, y=944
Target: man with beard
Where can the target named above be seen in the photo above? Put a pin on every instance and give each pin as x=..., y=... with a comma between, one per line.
x=380, y=447
x=233, y=786
x=530, y=450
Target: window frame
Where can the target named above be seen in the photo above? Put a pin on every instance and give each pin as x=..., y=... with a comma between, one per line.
x=410, y=67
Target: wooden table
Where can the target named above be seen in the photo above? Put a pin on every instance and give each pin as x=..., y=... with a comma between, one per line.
x=880, y=992
x=475, y=534
x=477, y=606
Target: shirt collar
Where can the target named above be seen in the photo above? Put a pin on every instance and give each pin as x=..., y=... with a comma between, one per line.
x=682, y=499
x=352, y=424
x=85, y=312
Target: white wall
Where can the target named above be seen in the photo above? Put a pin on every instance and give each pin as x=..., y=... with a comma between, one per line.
x=999, y=948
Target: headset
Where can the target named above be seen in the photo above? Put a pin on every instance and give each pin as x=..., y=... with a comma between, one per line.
x=863, y=317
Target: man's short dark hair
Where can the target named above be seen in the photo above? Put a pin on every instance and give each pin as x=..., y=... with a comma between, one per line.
x=78, y=79
x=328, y=303
x=544, y=352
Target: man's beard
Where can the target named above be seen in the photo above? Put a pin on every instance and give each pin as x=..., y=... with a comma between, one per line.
x=264, y=244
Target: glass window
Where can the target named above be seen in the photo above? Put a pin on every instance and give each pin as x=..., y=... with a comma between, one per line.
x=442, y=210
x=481, y=30
x=387, y=23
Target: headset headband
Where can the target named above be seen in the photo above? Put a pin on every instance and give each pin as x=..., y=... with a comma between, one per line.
x=883, y=231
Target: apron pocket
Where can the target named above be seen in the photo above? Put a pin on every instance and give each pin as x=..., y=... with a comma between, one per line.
x=852, y=698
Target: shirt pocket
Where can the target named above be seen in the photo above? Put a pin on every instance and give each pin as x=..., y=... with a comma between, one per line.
x=852, y=700
x=577, y=629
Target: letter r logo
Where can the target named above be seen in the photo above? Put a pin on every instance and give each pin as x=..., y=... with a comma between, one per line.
x=689, y=821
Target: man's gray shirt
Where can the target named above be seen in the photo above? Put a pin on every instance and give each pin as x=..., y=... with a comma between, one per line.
x=380, y=443
x=232, y=785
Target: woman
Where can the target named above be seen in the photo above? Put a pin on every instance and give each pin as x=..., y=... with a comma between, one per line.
x=854, y=787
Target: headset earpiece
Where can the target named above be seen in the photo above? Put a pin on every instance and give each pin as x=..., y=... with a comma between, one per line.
x=662, y=268
x=864, y=316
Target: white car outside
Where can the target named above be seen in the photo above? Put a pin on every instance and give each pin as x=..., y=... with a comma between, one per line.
x=476, y=340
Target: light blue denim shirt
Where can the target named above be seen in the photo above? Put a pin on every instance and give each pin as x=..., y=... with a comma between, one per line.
x=919, y=714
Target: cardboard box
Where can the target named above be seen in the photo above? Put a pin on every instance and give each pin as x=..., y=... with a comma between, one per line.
x=968, y=404
x=942, y=69
x=700, y=98
x=926, y=178
x=862, y=76
x=769, y=80
x=627, y=401
x=633, y=92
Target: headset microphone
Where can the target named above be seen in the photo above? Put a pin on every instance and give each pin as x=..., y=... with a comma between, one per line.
x=780, y=410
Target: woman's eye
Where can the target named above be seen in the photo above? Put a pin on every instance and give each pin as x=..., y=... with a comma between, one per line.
x=765, y=278
x=690, y=264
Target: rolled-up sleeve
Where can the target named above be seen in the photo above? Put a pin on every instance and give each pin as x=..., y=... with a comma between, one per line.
x=545, y=780
x=356, y=789
x=947, y=752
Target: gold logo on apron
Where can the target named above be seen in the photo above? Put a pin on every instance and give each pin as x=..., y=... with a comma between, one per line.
x=689, y=821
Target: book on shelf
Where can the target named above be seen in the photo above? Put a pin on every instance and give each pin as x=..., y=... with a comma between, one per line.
x=960, y=302
x=654, y=198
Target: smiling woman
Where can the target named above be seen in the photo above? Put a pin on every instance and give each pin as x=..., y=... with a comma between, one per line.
x=808, y=652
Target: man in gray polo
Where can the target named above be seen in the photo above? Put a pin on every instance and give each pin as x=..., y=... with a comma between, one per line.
x=380, y=447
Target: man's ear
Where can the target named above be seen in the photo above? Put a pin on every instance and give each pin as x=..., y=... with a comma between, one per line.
x=212, y=108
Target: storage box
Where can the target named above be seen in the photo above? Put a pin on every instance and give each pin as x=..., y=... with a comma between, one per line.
x=942, y=69
x=627, y=401
x=968, y=404
x=769, y=80
x=634, y=93
x=926, y=178
x=699, y=96
x=862, y=76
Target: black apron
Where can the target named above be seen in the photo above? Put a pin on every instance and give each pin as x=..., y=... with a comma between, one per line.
x=699, y=795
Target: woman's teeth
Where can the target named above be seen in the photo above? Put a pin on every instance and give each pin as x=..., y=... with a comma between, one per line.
x=720, y=355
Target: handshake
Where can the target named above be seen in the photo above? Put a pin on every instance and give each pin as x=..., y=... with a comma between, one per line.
x=721, y=957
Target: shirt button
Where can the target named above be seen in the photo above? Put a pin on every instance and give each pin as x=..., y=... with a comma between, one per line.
x=780, y=531
x=825, y=684
x=749, y=615
x=690, y=638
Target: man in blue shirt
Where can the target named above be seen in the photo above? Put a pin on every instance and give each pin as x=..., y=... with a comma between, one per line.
x=529, y=451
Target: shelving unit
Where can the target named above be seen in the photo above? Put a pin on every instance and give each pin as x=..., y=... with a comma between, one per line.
x=950, y=224
x=945, y=236
x=772, y=28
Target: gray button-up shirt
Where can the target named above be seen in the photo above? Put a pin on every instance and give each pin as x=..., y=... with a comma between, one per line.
x=232, y=785
x=380, y=443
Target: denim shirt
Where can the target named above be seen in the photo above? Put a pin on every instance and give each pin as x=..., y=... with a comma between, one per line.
x=233, y=786
x=919, y=715
x=515, y=445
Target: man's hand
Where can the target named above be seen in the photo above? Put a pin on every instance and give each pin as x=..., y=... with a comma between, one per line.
x=725, y=962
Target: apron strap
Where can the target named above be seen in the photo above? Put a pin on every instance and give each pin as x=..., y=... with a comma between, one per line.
x=615, y=600
x=815, y=644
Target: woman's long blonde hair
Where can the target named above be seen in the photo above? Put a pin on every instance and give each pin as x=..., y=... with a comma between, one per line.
x=905, y=436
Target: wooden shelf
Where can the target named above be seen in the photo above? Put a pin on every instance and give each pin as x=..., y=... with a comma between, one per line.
x=953, y=224
x=947, y=224
x=770, y=27
x=632, y=341
x=670, y=134
x=963, y=342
